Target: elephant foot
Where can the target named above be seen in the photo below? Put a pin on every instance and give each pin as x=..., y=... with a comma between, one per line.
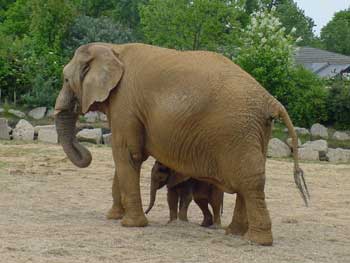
x=183, y=218
x=115, y=213
x=139, y=221
x=238, y=229
x=171, y=220
x=263, y=238
x=207, y=222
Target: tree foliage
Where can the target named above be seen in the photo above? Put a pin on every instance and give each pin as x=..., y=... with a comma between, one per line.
x=335, y=36
x=191, y=25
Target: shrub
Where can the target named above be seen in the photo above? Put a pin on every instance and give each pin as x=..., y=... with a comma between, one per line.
x=307, y=100
x=87, y=29
x=338, y=104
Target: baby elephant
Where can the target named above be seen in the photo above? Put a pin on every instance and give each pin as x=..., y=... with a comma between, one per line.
x=181, y=189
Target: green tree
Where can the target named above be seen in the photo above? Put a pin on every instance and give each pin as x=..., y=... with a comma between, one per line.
x=267, y=52
x=17, y=19
x=50, y=22
x=191, y=25
x=291, y=16
x=336, y=34
x=87, y=29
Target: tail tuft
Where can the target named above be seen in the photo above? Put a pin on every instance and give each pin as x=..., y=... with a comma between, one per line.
x=301, y=185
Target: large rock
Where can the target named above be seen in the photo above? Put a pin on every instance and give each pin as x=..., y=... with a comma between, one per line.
x=48, y=134
x=1, y=110
x=23, y=131
x=107, y=139
x=91, y=116
x=341, y=136
x=338, y=155
x=50, y=113
x=289, y=142
x=277, y=148
x=4, y=129
x=319, y=145
x=308, y=154
x=41, y=127
x=37, y=113
x=102, y=116
x=90, y=135
x=302, y=131
x=17, y=113
x=319, y=131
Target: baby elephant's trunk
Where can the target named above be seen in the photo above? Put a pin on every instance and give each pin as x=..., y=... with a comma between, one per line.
x=153, y=194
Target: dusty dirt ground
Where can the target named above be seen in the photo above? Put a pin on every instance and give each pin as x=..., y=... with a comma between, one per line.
x=51, y=211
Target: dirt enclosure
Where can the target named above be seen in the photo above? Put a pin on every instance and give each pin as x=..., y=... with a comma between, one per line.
x=51, y=211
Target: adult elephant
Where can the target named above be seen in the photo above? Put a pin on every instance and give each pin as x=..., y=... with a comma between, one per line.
x=195, y=112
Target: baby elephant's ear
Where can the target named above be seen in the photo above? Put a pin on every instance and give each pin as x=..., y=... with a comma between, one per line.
x=100, y=75
x=175, y=179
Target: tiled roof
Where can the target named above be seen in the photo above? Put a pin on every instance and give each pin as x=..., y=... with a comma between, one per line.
x=309, y=55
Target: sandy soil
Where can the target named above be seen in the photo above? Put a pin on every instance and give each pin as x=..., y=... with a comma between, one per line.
x=51, y=211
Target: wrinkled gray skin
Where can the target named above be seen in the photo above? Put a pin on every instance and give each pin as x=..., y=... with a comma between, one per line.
x=195, y=111
x=181, y=190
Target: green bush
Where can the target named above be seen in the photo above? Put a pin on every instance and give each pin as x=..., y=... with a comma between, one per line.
x=87, y=29
x=307, y=100
x=338, y=104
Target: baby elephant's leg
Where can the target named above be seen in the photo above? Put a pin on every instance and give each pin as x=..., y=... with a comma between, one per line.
x=185, y=192
x=200, y=196
x=216, y=202
x=173, y=200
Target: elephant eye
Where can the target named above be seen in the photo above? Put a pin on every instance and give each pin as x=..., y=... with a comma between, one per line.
x=66, y=80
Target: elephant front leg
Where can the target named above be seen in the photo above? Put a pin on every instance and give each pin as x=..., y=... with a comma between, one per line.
x=173, y=200
x=185, y=200
x=117, y=210
x=239, y=224
x=128, y=170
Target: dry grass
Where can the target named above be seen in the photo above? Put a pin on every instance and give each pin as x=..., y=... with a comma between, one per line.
x=51, y=211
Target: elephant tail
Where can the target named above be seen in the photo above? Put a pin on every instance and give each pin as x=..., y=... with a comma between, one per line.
x=277, y=111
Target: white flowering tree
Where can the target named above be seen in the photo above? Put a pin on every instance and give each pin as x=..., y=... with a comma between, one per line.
x=267, y=51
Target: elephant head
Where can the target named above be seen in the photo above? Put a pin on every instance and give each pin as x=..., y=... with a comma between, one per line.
x=159, y=177
x=162, y=175
x=90, y=76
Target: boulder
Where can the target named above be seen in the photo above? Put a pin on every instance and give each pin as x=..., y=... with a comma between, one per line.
x=23, y=131
x=48, y=134
x=289, y=142
x=41, y=127
x=50, y=113
x=319, y=145
x=107, y=139
x=37, y=113
x=338, y=155
x=308, y=154
x=341, y=136
x=4, y=129
x=102, y=116
x=302, y=131
x=91, y=116
x=277, y=148
x=1, y=110
x=17, y=113
x=90, y=135
x=319, y=131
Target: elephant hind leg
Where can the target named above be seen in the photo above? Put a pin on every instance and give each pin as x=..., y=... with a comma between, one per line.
x=239, y=224
x=185, y=200
x=207, y=216
x=252, y=196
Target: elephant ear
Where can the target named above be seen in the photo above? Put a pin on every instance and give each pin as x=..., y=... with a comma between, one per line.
x=100, y=75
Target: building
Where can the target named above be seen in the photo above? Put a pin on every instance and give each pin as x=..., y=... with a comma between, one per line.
x=323, y=63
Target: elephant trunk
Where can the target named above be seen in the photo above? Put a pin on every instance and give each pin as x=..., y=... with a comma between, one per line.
x=65, y=120
x=153, y=194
